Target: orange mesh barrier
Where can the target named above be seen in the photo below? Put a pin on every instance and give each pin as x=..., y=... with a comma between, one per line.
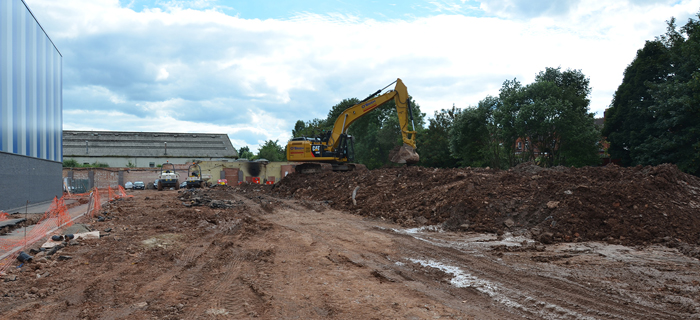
x=110, y=194
x=4, y=216
x=123, y=193
x=95, y=203
x=7, y=261
x=56, y=216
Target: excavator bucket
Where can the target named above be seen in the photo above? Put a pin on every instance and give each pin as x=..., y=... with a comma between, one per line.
x=404, y=154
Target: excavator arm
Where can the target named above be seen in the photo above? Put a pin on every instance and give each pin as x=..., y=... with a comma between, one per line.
x=403, y=110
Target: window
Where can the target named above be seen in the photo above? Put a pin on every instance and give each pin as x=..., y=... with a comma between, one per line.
x=152, y=164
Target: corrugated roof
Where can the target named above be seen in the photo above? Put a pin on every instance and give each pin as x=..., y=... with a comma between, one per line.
x=147, y=144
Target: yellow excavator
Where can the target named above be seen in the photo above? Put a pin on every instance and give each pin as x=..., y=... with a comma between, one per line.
x=334, y=150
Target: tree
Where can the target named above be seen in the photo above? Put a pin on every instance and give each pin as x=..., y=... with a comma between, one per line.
x=434, y=141
x=655, y=112
x=552, y=116
x=312, y=128
x=245, y=153
x=475, y=139
x=627, y=118
x=272, y=151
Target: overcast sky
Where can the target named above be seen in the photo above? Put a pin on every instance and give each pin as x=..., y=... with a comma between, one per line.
x=251, y=69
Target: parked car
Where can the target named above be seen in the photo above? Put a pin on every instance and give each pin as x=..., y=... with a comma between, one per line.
x=183, y=185
x=139, y=185
x=128, y=185
x=155, y=184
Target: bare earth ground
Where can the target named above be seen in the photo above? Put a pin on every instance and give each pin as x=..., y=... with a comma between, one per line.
x=277, y=253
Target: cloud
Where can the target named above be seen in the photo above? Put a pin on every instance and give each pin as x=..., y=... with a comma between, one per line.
x=191, y=65
x=528, y=8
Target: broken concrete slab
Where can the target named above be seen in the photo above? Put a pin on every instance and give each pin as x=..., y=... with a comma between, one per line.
x=11, y=222
x=83, y=235
x=76, y=228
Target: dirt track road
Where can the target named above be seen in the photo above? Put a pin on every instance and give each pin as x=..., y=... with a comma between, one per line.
x=248, y=255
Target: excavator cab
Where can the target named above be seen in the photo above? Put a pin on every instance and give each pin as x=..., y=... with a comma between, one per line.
x=347, y=147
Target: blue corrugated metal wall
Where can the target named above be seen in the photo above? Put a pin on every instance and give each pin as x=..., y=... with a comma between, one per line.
x=31, y=101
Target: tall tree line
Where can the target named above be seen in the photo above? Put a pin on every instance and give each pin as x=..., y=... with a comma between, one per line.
x=550, y=116
x=655, y=113
x=547, y=122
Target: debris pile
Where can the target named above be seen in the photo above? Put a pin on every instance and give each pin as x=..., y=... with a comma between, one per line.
x=639, y=205
x=199, y=197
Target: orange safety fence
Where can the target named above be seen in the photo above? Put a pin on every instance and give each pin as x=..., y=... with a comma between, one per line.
x=4, y=215
x=110, y=194
x=6, y=262
x=123, y=193
x=57, y=216
x=95, y=204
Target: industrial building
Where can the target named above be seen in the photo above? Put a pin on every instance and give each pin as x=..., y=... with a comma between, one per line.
x=145, y=149
x=31, y=109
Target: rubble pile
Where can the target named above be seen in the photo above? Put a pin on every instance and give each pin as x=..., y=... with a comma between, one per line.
x=200, y=197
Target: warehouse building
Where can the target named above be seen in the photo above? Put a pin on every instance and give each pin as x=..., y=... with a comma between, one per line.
x=31, y=109
x=145, y=149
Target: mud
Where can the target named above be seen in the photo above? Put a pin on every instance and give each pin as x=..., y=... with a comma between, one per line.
x=302, y=250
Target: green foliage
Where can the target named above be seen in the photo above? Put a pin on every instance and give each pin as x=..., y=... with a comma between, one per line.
x=312, y=128
x=245, y=153
x=627, y=118
x=434, y=141
x=272, y=151
x=130, y=165
x=71, y=163
x=655, y=112
x=378, y=132
x=552, y=116
x=549, y=115
x=475, y=139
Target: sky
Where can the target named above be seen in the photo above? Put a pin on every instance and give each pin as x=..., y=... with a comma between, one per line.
x=251, y=69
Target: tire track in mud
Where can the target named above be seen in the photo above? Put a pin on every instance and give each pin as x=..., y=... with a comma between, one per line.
x=529, y=292
x=334, y=249
x=531, y=296
x=227, y=293
x=521, y=292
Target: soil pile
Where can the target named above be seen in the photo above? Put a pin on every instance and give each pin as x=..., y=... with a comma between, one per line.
x=638, y=205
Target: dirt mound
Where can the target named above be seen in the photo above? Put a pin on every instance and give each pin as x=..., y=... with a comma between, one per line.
x=636, y=205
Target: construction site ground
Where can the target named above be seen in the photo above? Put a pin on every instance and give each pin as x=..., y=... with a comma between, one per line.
x=393, y=243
